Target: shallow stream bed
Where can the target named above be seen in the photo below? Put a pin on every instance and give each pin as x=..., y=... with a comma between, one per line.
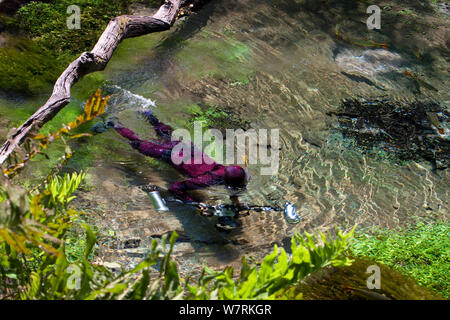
x=278, y=65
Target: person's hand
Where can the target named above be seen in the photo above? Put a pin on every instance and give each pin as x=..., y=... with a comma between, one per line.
x=99, y=127
x=203, y=209
x=202, y=205
x=110, y=122
x=244, y=206
x=113, y=122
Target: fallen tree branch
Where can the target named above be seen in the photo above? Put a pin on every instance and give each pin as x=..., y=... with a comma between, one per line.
x=119, y=28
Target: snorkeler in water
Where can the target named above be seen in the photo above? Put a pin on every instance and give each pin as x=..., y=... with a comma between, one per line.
x=202, y=175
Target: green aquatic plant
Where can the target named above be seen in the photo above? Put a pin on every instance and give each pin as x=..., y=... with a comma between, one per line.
x=59, y=190
x=210, y=118
x=405, y=130
x=222, y=57
x=94, y=107
x=241, y=83
x=420, y=251
x=214, y=117
x=27, y=67
x=75, y=247
x=406, y=11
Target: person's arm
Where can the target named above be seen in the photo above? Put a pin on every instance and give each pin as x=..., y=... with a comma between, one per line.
x=180, y=188
x=126, y=133
x=147, y=148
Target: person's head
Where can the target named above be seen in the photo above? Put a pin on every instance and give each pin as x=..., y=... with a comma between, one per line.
x=235, y=177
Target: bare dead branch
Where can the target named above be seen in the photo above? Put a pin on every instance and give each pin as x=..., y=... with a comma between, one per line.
x=119, y=28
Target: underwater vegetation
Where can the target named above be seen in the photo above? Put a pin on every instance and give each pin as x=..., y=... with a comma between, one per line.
x=409, y=130
x=27, y=67
x=221, y=57
x=215, y=117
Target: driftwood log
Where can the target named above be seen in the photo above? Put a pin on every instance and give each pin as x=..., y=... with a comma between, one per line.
x=119, y=28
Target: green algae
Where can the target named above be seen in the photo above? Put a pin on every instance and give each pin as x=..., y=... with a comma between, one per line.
x=215, y=55
x=129, y=54
x=27, y=67
x=214, y=117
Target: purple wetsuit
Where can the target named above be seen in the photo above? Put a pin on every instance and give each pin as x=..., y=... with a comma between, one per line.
x=202, y=175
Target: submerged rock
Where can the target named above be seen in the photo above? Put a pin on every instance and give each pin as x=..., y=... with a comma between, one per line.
x=369, y=62
x=409, y=130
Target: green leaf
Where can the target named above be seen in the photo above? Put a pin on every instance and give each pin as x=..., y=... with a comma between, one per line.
x=282, y=264
x=300, y=255
x=246, y=290
x=267, y=265
x=90, y=240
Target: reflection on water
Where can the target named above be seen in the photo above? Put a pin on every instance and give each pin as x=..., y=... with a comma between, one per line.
x=279, y=65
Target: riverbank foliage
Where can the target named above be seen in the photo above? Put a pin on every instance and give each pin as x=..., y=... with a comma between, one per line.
x=420, y=251
x=35, y=264
x=47, y=22
x=41, y=45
